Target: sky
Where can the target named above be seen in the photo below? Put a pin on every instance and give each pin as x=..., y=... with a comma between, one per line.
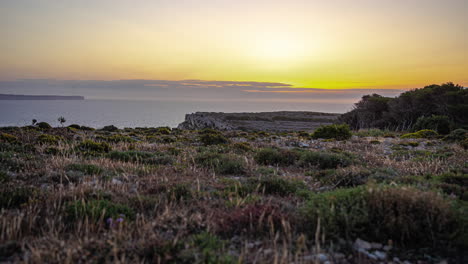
x=302, y=45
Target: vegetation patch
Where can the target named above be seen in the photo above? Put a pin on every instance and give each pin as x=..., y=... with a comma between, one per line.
x=338, y=132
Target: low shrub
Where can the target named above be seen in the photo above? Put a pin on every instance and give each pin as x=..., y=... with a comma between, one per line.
x=221, y=163
x=275, y=157
x=49, y=139
x=110, y=128
x=16, y=197
x=180, y=192
x=242, y=147
x=349, y=177
x=252, y=219
x=5, y=137
x=408, y=216
x=213, y=139
x=4, y=177
x=338, y=132
x=426, y=133
x=163, y=130
x=457, y=135
x=439, y=123
x=279, y=186
x=90, y=146
x=118, y=138
x=88, y=169
x=43, y=125
x=75, y=126
x=141, y=157
x=324, y=160
x=97, y=209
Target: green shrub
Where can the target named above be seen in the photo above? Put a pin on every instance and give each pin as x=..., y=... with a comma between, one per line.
x=141, y=157
x=163, y=130
x=213, y=139
x=49, y=139
x=343, y=178
x=90, y=146
x=374, y=132
x=5, y=137
x=88, y=169
x=180, y=192
x=270, y=156
x=75, y=126
x=4, y=177
x=439, y=123
x=221, y=163
x=110, y=128
x=43, y=125
x=407, y=216
x=118, y=138
x=209, y=249
x=16, y=197
x=338, y=132
x=457, y=135
x=324, y=160
x=279, y=186
x=426, y=133
x=97, y=209
x=242, y=147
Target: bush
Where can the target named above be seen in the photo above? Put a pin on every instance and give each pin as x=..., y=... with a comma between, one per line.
x=141, y=157
x=270, y=156
x=279, y=186
x=213, y=139
x=407, y=216
x=426, y=133
x=43, y=125
x=457, y=135
x=118, y=138
x=338, y=132
x=97, y=209
x=350, y=177
x=5, y=137
x=324, y=160
x=110, y=128
x=163, y=130
x=16, y=197
x=75, y=126
x=49, y=139
x=94, y=147
x=88, y=169
x=438, y=123
x=221, y=163
x=180, y=192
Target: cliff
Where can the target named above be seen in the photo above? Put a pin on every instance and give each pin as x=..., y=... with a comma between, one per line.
x=263, y=121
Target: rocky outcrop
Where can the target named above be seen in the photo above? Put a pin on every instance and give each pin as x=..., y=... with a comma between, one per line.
x=263, y=121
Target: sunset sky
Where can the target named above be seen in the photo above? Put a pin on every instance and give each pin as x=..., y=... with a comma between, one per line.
x=369, y=44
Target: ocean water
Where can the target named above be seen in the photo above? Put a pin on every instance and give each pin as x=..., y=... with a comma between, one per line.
x=140, y=113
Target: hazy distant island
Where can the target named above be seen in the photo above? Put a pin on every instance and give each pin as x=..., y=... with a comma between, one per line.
x=38, y=97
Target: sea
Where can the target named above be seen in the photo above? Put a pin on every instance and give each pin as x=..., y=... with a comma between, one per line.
x=141, y=113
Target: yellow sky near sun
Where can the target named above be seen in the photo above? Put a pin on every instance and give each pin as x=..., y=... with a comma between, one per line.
x=317, y=45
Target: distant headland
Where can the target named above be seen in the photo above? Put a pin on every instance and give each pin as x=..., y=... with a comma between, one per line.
x=38, y=97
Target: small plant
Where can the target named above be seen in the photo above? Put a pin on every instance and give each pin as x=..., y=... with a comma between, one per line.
x=97, y=209
x=426, y=133
x=221, y=163
x=279, y=186
x=49, y=139
x=270, y=156
x=439, y=123
x=213, y=139
x=91, y=147
x=88, y=169
x=110, y=128
x=338, y=132
x=61, y=120
x=324, y=160
x=16, y=197
x=5, y=137
x=43, y=125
